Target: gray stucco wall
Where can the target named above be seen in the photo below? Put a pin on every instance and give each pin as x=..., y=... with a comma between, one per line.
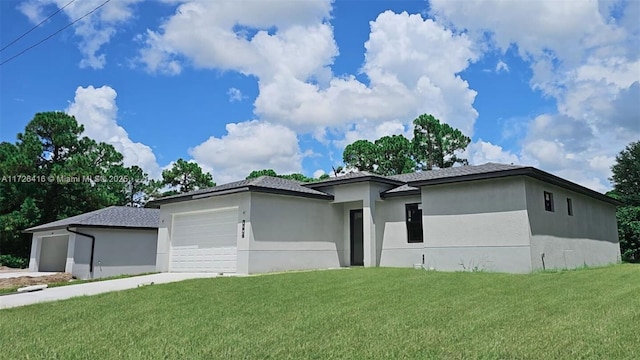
x=293, y=233
x=479, y=225
x=394, y=248
x=589, y=237
x=240, y=200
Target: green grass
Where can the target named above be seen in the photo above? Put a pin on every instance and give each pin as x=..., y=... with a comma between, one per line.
x=376, y=313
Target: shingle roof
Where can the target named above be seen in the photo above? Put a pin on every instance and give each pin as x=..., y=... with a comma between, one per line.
x=262, y=183
x=454, y=172
x=355, y=176
x=113, y=216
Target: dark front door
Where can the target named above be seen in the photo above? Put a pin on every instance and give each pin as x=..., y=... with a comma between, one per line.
x=356, y=237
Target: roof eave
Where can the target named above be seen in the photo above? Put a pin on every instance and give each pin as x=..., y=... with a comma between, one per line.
x=523, y=171
x=339, y=181
x=385, y=195
x=290, y=193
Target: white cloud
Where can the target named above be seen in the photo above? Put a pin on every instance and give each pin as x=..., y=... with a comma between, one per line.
x=582, y=53
x=248, y=146
x=234, y=94
x=94, y=30
x=404, y=64
x=318, y=173
x=481, y=152
x=96, y=109
x=502, y=66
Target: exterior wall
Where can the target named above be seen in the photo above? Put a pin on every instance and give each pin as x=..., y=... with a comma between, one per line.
x=394, y=248
x=589, y=237
x=293, y=233
x=479, y=225
x=116, y=252
x=368, y=195
x=120, y=251
x=240, y=200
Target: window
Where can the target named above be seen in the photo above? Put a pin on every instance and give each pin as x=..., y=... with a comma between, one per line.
x=569, y=207
x=414, y=223
x=548, y=201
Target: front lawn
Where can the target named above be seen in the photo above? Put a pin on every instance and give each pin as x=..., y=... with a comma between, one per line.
x=373, y=313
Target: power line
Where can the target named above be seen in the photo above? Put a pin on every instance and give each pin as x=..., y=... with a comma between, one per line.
x=35, y=27
x=55, y=33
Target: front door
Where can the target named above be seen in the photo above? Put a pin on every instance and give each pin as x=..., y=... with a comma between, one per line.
x=356, y=237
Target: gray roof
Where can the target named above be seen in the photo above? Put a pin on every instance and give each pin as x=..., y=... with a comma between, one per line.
x=113, y=216
x=260, y=184
x=355, y=176
x=455, y=172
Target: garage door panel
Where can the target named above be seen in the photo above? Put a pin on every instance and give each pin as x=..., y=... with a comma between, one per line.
x=205, y=242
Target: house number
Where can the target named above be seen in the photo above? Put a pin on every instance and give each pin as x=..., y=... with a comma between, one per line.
x=243, y=229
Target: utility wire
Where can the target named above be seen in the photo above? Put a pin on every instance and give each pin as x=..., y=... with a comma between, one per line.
x=35, y=27
x=55, y=33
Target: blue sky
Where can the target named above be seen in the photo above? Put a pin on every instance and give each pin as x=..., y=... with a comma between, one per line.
x=244, y=85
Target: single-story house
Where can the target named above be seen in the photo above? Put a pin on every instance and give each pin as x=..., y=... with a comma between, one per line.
x=490, y=217
x=112, y=241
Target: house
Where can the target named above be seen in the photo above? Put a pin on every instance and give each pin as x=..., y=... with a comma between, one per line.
x=490, y=217
x=112, y=241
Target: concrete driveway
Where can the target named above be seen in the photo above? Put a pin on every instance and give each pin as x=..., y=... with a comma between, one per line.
x=93, y=288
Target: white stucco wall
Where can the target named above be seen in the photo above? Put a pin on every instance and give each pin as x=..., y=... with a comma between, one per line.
x=476, y=225
x=294, y=233
x=168, y=211
x=395, y=250
x=589, y=237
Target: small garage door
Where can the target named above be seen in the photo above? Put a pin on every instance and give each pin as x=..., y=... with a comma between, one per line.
x=205, y=241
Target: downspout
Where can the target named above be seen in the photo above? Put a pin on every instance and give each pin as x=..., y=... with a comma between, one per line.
x=93, y=246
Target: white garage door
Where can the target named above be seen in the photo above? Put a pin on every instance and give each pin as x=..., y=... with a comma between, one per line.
x=205, y=241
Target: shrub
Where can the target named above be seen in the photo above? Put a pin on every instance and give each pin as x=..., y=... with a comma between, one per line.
x=13, y=261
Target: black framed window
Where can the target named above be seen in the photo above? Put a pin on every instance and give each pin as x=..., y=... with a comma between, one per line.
x=548, y=201
x=569, y=207
x=414, y=222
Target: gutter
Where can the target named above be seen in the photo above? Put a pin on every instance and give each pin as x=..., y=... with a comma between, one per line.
x=93, y=246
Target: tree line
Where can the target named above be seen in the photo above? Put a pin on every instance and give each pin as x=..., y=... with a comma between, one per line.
x=53, y=172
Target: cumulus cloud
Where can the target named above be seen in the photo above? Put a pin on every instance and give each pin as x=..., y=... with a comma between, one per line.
x=94, y=31
x=481, y=152
x=249, y=146
x=234, y=94
x=96, y=109
x=290, y=48
x=584, y=55
x=502, y=66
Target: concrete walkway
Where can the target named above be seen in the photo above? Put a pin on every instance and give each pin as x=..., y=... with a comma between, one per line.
x=93, y=288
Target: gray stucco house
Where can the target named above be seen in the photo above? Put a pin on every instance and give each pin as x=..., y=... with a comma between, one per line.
x=492, y=217
x=112, y=241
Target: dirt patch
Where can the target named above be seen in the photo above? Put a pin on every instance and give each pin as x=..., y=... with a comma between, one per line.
x=34, y=280
x=8, y=269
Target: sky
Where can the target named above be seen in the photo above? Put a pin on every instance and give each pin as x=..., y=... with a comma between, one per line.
x=244, y=85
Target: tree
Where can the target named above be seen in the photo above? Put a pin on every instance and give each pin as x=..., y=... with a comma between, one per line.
x=136, y=186
x=362, y=155
x=265, y=172
x=186, y=176
x=394, y=155
x=294, y=176
x=626, y=188
x=53, y=172
x=435, y=144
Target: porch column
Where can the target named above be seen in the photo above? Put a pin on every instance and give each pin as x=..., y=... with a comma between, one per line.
x=71, y=250
x=369, y=232
x=34, y=258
